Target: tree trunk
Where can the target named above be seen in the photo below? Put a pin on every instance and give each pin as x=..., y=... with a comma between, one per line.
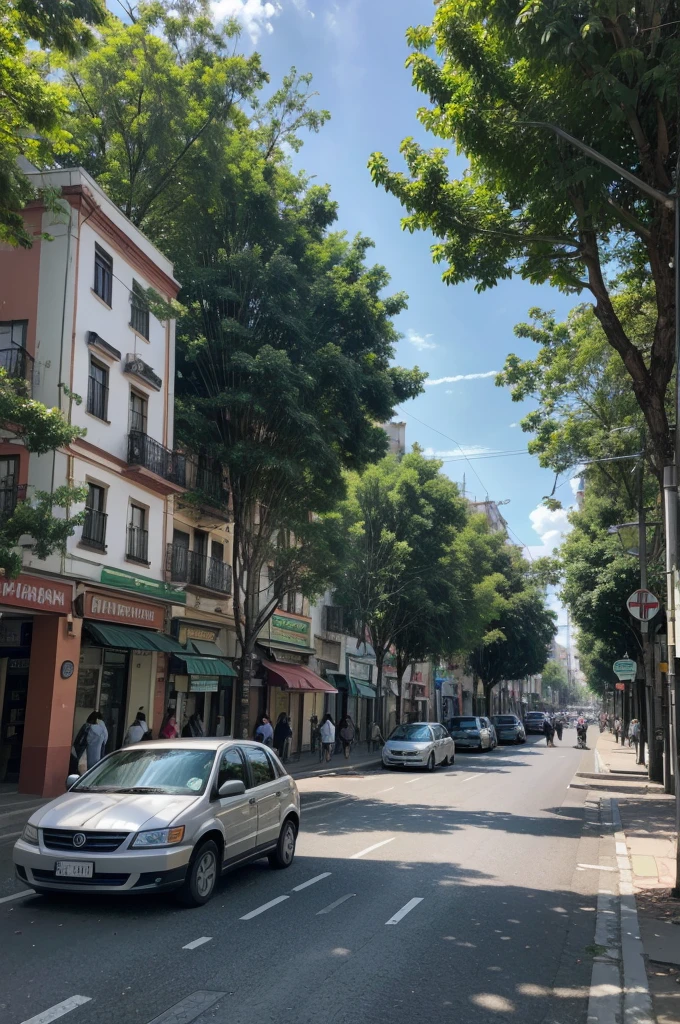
x=402, y=665
x=488, y=687
x=379, y=715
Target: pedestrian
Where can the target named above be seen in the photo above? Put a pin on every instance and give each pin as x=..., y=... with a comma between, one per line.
x=376, y=736
x=634, y=734
x=327, y=736
x=264, y=732
x=559, y=725
x=194, y=727
x=282, y=732
x=617, y=730
x=137, y=731
x=169, y=730
x=78, y=749
x=347, y=733
x=97, y=737
x=548, y=732
x=314, y=732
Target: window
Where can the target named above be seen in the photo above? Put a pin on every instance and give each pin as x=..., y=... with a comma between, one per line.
x=98, y=391
x=180, y=556
x=9, y=471
x=139, y=310
x=103, y=274
x=138, y=406
x=138, y=535
x=260, y=766
x=13, y=333
x=294, y=603
x=94, y=527
x=231, y=767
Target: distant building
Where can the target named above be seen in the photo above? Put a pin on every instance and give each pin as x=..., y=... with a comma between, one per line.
x=492, y=512
x=396, y=434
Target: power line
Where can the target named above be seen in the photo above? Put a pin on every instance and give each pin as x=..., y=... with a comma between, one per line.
x=448, y=438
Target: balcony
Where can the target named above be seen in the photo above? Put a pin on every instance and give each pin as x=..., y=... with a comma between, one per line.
x=198, y=570
x=155, y=465
x=206, y=478
x=10, y=494
x=137, y=544
x=94, y=529
x=17, y=363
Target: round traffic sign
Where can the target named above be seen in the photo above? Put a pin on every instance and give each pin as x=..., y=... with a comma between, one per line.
x=642, y=605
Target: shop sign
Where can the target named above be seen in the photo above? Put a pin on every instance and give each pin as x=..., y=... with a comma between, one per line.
x=358, y=669
x=127, y=611
x=39, y=594
x=142, y=585
x=187, y=632
x=295, y=630
x=203, y=685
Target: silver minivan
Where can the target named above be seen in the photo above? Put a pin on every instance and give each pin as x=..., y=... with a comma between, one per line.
x=163, y=815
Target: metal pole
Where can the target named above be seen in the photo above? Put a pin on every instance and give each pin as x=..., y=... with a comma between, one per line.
x=644, y=628
x=670, y=496
x=674, y=683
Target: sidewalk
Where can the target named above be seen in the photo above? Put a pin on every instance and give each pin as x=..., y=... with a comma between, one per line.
x=647, y=816
x=308, y=764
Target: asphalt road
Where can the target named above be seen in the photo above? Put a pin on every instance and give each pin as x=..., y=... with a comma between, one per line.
x=412, y=898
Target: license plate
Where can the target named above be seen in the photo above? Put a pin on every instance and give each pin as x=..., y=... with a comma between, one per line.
x=74, y=869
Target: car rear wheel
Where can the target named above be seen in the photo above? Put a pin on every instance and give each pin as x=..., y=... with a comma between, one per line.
x=202, y=875
x=282, y=856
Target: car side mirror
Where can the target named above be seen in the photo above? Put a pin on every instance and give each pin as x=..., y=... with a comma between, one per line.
x=232, y=787
x=71, y=780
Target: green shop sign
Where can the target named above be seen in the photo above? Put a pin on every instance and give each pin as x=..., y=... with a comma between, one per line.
x=287, y=629
x=143, y=585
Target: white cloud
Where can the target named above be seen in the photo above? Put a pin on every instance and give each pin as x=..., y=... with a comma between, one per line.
x=551, y=526
x=420, y=341
x=452, y=453
x=461, y=376
x=255, y=15
x=512, y=425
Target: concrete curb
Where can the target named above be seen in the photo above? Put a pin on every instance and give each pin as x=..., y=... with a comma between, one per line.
x=309, y=773
x=637, y=1001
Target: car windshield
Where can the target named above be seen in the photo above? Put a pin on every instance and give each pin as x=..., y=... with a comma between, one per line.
x=174, y=772
x=504, y=720
x=463, y=723
x=414, y=733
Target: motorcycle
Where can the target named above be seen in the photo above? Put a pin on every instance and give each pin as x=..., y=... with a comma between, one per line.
x=581, y=738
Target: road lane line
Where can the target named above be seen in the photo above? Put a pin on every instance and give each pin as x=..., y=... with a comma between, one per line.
x=388, y=790
x=18, y=895
x=312, y=881
x=187, y=1009
x=596, y=867
x=370, y=849
x=58, y=1010
x=410, y=781
x=405, y=910
x=198, y=942
x=265, y=906
x=332, y=906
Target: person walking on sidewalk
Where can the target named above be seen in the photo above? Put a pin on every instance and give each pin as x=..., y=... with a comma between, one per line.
x=548, y=731
x=617, y=730
x=282, y=732
x=347, y=733
x=558, y=727
x=327, y=736
x=97, y=737
x=634, y=734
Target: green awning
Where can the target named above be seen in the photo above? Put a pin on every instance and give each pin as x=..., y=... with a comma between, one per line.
x=129, y=637
x=205, y=647
x=338, y=679
x=165, y=643
x=361, y=689
x=209, y=667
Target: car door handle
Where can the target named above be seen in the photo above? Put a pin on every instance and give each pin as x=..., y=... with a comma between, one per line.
x=252, y=800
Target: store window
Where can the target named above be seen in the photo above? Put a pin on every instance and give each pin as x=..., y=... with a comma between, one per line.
x=103, y=686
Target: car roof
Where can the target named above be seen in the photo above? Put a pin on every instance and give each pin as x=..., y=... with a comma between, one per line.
x=196, y=743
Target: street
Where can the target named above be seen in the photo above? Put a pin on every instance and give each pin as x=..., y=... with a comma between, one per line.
x=413, y=897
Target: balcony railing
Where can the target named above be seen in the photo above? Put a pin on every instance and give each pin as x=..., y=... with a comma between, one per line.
x=94, y=529
x=17, y=363
x=198, y=570
x=144, y=451
x=208, y=479
x=10, y=494
x=138, y=544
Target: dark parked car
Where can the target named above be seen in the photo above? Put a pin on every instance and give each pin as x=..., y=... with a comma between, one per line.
x=509, y=729
x=533, y=722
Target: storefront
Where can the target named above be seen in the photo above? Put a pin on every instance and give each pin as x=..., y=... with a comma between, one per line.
x=123, y=659
x=299, y=693
x=361, y=694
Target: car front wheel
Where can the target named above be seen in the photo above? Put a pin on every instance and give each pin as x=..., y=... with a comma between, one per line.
x=202, y=875
x=282, y=856
x=431, y=762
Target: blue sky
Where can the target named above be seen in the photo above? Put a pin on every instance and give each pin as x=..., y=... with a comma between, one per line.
x=356, y=50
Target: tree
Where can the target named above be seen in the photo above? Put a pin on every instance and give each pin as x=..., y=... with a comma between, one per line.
x=151, y=100
x=533, y=206
x=400, y=518
x=32, y=107
x=40, y=430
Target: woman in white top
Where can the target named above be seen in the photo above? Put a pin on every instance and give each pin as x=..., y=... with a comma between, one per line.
x=327, y=731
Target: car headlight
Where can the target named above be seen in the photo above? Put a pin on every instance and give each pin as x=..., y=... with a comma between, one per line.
x=30, y=835
x=160, y=837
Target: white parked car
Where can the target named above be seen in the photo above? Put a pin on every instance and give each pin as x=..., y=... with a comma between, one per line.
x=165, y=815
x=418, y=745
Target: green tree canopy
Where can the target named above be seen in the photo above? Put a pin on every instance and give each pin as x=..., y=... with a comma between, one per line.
x=531, y=204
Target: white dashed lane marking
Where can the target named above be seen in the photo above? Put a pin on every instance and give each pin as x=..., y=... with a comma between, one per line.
x=405, y=910
x=18, y=895
x=312, y=881
x=265, y=906
x=370, y=849
x=332, y=906
x=58, y=1010
x=198, y=942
